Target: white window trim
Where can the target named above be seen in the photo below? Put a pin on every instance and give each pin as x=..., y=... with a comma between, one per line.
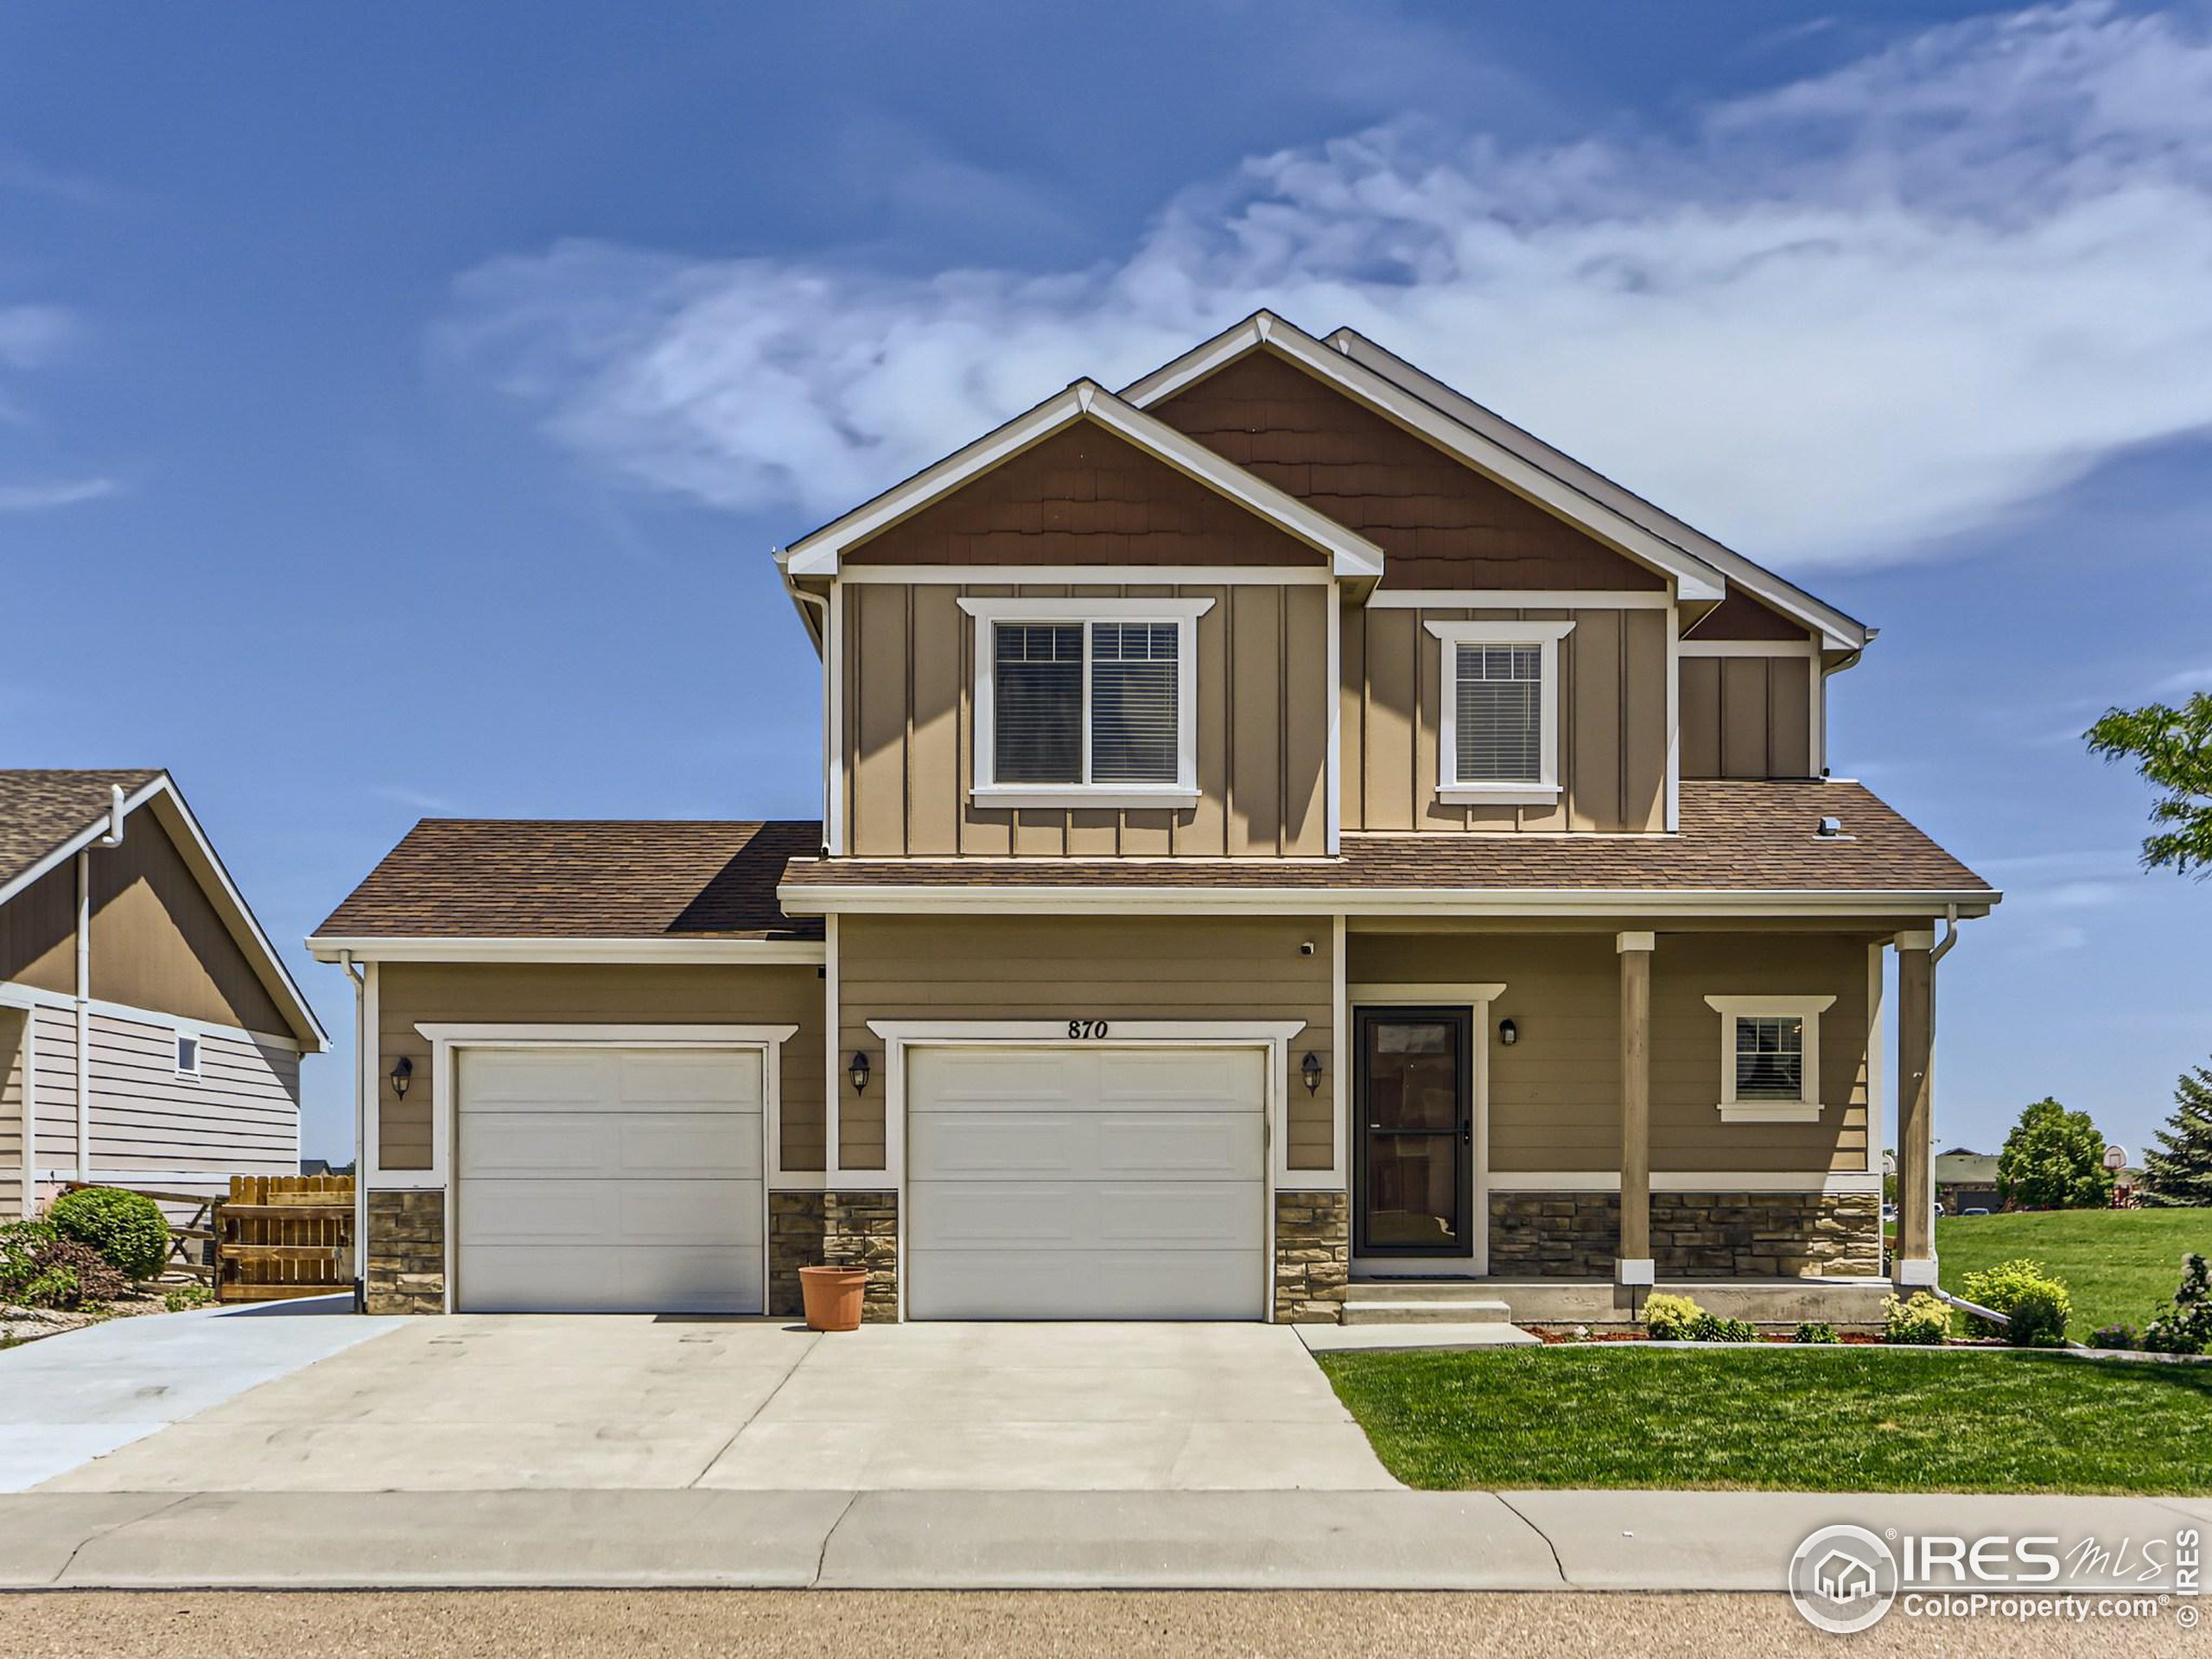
x=180, y=1036
x=987, y=791
x=1544, y=790
x=1806, y=1109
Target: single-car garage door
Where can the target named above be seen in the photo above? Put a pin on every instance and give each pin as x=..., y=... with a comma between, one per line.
x=1086, y=1183
x=603, y=1181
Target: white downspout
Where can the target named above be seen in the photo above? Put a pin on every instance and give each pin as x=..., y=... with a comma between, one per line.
x=112, y=836
x=361, y=1128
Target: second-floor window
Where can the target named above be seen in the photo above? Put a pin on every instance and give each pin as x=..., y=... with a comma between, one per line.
x=1498, y=733
x=1087, y=708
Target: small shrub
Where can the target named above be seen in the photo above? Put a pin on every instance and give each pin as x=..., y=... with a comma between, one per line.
x=127, y=1228
x=1815, y=1333
x=20, y=1243
x=2036, y=1304
x=1670, y=1318
x=2121, y=1337
x=1711, y=1327
x=1922, y=1322
x=2186, y=1326
x=178, y=1298
x=68, y=1276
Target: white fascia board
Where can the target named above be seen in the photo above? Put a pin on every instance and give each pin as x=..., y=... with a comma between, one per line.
x=893, y=900
x=759, y=952
x=1695, y=579
x=1839, y=631
x=1350, y=554
x=199, y=854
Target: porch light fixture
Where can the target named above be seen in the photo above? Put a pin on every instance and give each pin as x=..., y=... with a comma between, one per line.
x=858, y=1071
x=402, y=1073
x=1310, y=1069
x=1508, y=1032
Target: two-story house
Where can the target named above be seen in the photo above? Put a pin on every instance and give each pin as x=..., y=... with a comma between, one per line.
x=1285, y=830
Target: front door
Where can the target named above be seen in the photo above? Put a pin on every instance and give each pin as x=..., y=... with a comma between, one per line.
x=1413, y=1156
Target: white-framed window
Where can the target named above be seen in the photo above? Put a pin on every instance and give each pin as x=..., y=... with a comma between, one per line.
x=1499, y=737
x=187, y=1053
x=1770, y=1057
x=1086, y=702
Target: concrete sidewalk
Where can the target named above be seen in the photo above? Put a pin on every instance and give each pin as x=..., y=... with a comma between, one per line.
x=940, y=1540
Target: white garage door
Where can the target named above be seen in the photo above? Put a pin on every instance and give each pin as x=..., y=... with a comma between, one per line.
x=1088, y=1183
x=601, y=1180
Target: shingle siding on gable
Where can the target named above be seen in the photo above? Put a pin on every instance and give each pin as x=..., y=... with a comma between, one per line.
x=1442, y=523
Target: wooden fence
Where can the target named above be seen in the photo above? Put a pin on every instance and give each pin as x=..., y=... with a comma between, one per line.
x=281, y=1236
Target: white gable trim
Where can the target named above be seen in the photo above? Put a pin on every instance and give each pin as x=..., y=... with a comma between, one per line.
x=1349, y=553
x=1695, y=579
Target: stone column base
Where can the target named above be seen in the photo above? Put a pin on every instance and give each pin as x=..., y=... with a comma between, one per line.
x=405, y=1263
x=1313, y=1256
x=838, y=1230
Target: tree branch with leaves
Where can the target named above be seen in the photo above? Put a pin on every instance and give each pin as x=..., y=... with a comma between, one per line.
x=2172, y=749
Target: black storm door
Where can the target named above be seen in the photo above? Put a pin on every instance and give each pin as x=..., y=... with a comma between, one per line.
x=1414, y=1153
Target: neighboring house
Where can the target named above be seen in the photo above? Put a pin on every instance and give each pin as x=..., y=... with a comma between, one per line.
x=149, y=1034
x=1283, y=825
x=1966, y=1180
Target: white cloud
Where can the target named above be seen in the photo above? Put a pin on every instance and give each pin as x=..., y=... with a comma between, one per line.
x=31, y=334
x=1837, y=322
x=67, y=493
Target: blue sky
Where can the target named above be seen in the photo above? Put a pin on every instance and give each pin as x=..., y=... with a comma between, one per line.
x=396, y=404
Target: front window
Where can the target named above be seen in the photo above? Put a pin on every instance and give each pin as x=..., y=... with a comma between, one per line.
x=1498, y=742
x=1081, y=708
x=1770, y=1057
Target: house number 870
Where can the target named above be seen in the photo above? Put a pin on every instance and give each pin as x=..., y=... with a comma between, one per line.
x=1083, y=1030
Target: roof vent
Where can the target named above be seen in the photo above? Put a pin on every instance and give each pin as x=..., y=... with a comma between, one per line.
x=1830, y=828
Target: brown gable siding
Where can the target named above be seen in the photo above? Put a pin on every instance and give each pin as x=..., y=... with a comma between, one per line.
x=1084, y=496
x=1747, y=717
x=158, y=943
x=1443, y=525
x=38, y=933
x=1741, y=617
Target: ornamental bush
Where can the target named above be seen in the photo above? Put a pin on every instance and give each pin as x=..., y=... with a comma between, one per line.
x=1818, y=1332
x=127, y=1228
x=2036, y=1305
x=2186, y=1326
x=2118, y=1337
x=20, y=1243
x=1670, y=1318
x=1711, y=1327
x=68, y=1276
x=1923, y=1322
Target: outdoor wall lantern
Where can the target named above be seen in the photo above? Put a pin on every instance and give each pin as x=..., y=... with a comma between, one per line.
x=402, y=1073
x=1310, y=1069
x=858, y=1071
x=1508, y=1032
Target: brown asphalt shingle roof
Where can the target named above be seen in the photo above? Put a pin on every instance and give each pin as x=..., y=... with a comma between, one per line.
x=39, y=810
x=572, y=879
x=1746, y=837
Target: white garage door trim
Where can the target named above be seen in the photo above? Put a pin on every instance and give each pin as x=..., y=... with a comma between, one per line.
x=447, y=1040
x=1272, y=1037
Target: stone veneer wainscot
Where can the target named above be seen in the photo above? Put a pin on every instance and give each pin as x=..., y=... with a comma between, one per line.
x=837, y=1229
x=1313, y=1256
x=405, y=1268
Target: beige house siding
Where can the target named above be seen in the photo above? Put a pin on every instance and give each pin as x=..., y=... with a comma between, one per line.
x=1068, y=967
x=1262, y=730
x=241, y=1115
x=1612, y=691
x=1554, y=1095
x=14, y=1023
x=38, y=933
x=410, y=993
x=1747, y=717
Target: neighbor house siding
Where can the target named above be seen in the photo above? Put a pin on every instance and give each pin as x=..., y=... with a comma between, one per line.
x=38, y=933
x=1747, y=717
x=158, y=943
x=949, y=967
x=1613, y=725
x=241, y=1115
x=1554, y=1095
x=411, y=994
x=909, y=657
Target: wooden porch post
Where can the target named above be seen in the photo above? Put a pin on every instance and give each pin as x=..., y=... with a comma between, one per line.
x=1916, y=1257
x=1635, y=1264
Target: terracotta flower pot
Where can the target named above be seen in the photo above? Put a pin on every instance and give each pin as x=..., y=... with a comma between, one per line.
x=833, y=1297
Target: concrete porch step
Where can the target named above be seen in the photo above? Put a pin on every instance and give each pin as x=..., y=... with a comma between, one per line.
x=1418, y=1290
x=1416, y=1301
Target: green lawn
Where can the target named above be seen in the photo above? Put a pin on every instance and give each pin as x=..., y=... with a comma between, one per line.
x=2121, y=1266
x=1854, y=1419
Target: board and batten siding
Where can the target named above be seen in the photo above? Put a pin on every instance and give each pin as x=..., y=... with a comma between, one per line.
x=1554, y=1094
x=975, y=968
x=909, y=654
x=411, y=994
x=1613, y=725
x=1747, y=717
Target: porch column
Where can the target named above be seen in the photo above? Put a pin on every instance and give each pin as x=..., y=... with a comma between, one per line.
x=1635, y=1264
x=1916, y=1257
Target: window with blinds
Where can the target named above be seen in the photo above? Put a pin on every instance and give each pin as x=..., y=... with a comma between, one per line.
x=1499, y=709
x=1040, y=681
x=1769, y=1057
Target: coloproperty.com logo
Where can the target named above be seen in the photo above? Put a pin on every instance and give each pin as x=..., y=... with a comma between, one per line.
x=1845, y=1579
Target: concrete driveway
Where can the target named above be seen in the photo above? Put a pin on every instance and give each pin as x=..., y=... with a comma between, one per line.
x=501, y=1402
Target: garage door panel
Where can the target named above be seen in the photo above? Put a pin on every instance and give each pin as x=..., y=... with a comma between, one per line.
x=676, y=1145
x=1216, y=1147
x=648, y=1081
x=499, y=1278
x=1194, y=1080
x=1176, y=1284
x=501, y=1145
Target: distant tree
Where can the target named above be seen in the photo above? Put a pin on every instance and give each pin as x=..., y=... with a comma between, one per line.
x=2172, y=749
x=2177, y=1171
x=2054, y=1160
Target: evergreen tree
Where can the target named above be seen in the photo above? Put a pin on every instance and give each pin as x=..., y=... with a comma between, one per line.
x=2178, y=1170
